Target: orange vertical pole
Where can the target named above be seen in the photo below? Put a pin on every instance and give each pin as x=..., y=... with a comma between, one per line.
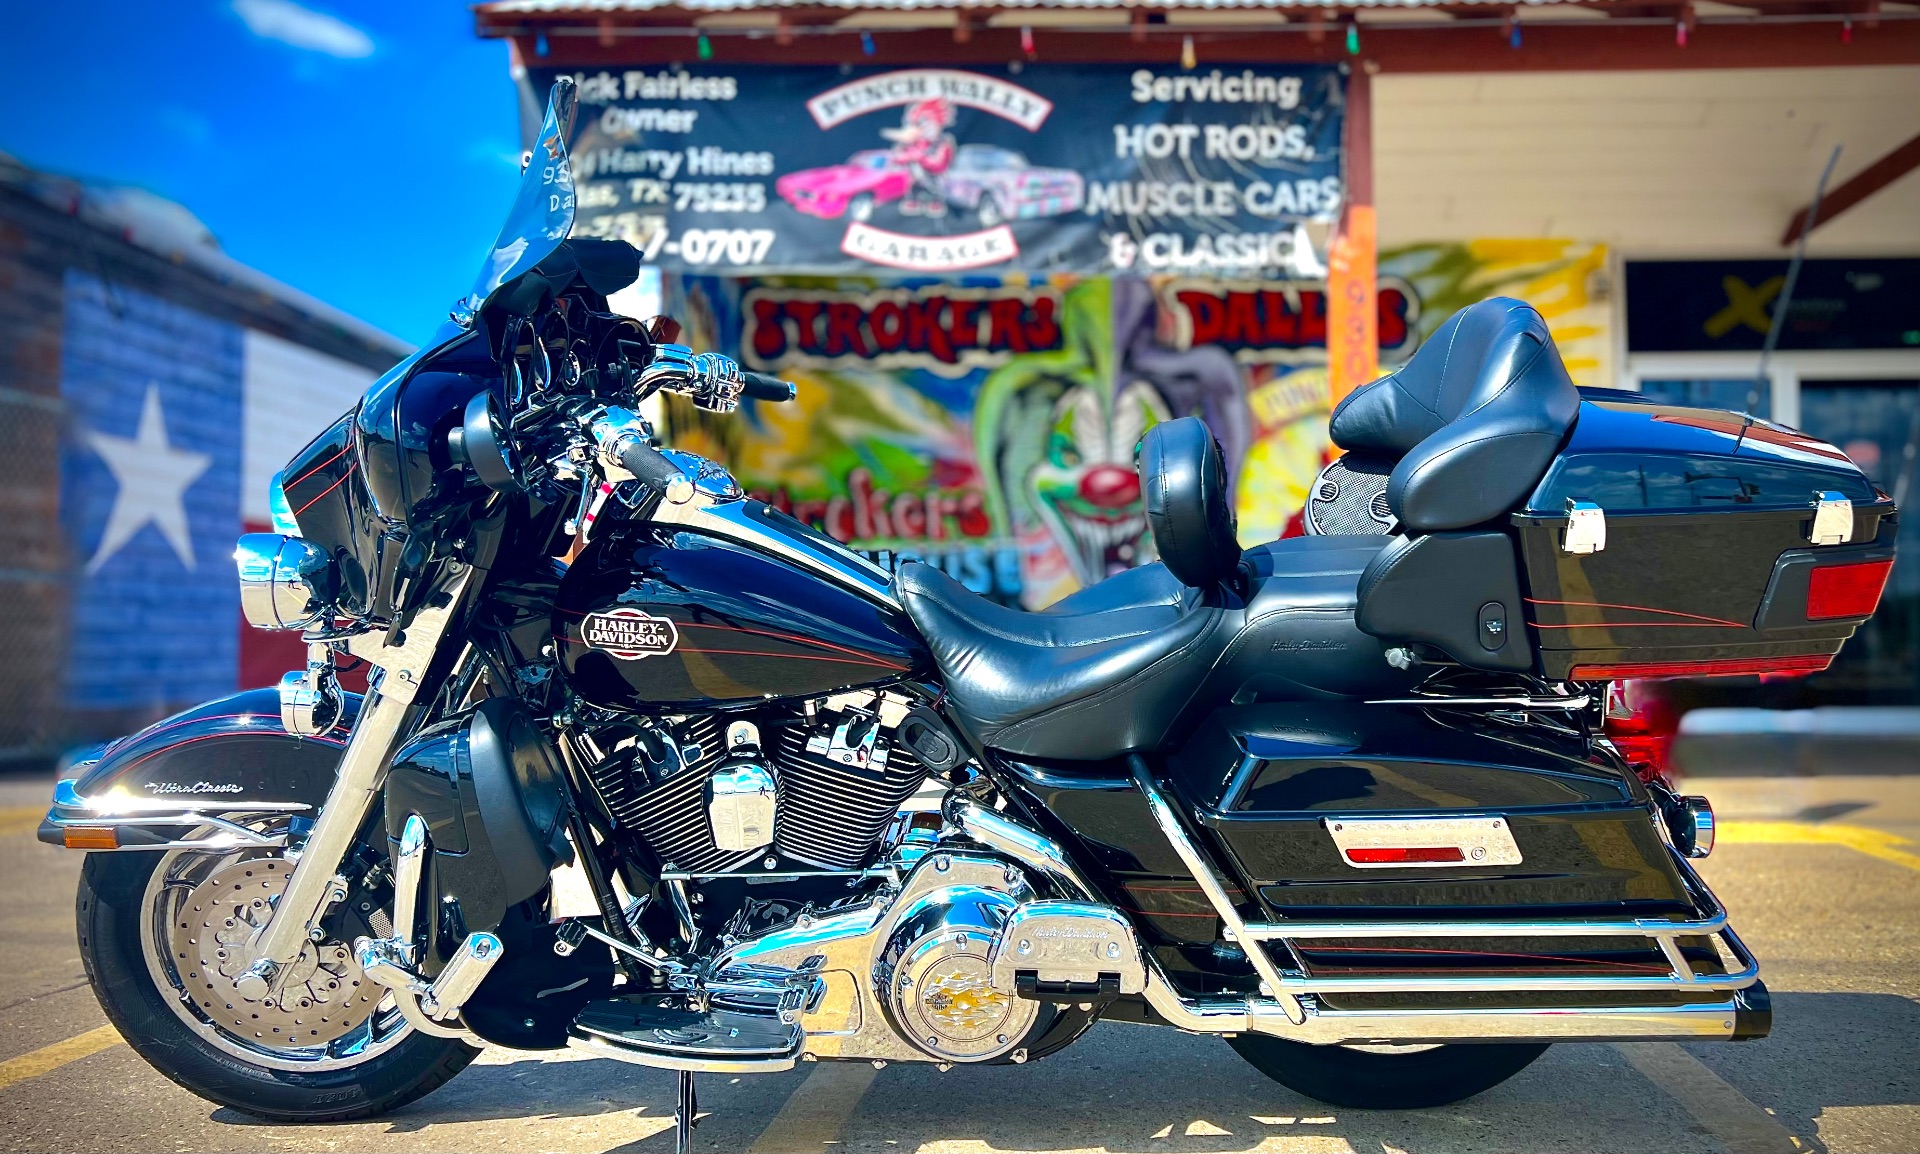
x=1353, y=317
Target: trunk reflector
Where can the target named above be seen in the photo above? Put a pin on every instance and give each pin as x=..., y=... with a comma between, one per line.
x=1846, y=590
x=1375, y=843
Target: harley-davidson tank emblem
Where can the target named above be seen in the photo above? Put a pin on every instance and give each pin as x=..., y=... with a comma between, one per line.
x=629, y=634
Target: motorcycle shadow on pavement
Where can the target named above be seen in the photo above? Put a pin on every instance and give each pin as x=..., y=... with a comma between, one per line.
x=1842, y=1072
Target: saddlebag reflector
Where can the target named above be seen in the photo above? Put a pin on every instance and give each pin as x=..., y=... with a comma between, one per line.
x=1399, y=843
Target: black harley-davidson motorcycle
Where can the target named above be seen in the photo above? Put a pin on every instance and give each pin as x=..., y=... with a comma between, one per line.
x=1346, y=799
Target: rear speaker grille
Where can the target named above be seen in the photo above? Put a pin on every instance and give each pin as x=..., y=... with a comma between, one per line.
x=1350, y=496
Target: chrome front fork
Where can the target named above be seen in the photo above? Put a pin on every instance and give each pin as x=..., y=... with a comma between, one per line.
x=385, y=717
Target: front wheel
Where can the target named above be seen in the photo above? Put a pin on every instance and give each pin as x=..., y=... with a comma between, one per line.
x=1386, y=1077
x=158, y=932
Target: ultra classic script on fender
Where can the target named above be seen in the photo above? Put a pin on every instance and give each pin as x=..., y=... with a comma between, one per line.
x=1345, y=799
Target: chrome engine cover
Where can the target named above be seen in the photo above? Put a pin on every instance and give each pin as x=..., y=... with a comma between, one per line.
x=935, y=976
x=936, y=931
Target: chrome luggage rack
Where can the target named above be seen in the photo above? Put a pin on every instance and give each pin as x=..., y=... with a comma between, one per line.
x=1710, y=923
x=1285, y=985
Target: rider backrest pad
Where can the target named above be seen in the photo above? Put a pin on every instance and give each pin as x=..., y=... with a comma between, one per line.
x=1183, y=477
x=1475, y=417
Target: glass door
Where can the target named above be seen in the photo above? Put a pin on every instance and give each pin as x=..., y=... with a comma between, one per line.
x=1877, y=423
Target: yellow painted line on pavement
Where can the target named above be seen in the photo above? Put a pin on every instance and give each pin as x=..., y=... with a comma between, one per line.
x=1741, y=1126
x=816, y=1111
x=21, y=819
x=47, y=1059
x=1872, y=842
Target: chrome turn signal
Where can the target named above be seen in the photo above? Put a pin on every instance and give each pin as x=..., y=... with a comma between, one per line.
x=1690, y=824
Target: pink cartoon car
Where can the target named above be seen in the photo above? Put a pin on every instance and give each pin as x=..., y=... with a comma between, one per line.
x=852, y=189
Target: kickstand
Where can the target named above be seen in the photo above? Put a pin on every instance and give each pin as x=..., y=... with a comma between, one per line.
x=686, y=1104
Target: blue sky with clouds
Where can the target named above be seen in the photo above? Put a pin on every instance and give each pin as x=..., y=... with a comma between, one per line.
x=362, y=151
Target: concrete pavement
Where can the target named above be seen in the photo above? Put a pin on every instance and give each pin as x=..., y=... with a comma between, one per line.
x=1813, y=870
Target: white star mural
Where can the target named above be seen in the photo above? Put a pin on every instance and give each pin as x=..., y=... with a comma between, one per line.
x=153, y=477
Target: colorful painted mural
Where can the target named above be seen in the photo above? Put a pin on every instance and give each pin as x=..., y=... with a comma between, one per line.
x=989, y=425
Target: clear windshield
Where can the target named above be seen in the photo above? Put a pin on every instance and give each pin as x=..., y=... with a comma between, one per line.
x=542, y=213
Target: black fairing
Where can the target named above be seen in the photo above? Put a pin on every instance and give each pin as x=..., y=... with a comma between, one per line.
x=401, y=431
x=741, y=626
x=329, y=499
x=230, y=753
x=489, y=786
x=380, y=474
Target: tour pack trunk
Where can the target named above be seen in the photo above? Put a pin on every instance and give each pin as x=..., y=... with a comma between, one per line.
x=1671, y=541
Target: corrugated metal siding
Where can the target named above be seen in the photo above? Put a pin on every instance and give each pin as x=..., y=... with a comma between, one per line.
x=33, y=554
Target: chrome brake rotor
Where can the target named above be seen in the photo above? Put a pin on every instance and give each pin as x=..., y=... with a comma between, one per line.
x=324, y=996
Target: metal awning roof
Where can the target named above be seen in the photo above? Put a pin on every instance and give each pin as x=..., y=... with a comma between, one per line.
x=610, y=7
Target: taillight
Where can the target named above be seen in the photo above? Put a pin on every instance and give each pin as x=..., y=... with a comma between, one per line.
x=1846, y=590
x=1726, y=667
x=1641, y=726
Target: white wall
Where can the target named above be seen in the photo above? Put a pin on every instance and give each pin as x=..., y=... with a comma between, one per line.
x=1671, y=163
x=292, y=394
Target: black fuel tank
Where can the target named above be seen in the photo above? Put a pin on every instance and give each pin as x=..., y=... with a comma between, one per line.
x=650, y=622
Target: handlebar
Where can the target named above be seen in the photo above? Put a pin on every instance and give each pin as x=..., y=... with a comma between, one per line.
x=766, y=387
x=651, y=468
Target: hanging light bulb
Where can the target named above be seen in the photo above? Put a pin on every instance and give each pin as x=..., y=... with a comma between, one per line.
x=1353, y=40
x=540, y=43
x=1026, y=41
x=1680, y=33
x=1846, y=31
x=866, y=43
x=1188, y=60
x=705, y=47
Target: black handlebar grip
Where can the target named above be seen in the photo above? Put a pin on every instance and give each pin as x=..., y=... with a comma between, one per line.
x=649, y=466
x=766, y=387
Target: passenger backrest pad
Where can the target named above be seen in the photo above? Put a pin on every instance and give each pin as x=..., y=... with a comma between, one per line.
x=1459, y=592
x=1475, y=417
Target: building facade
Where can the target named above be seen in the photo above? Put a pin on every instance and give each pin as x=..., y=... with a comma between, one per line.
x=1632, y=170
x=151, y=387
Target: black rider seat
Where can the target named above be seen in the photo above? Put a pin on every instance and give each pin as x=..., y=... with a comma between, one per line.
x=1114, y=673
x=1112, y=668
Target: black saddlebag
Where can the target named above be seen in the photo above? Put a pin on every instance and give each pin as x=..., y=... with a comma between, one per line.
x=1715, y=557
x=1272, y=783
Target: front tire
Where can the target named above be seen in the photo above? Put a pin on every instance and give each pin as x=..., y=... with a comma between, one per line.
x=1386, y=1079
x=365, y=1073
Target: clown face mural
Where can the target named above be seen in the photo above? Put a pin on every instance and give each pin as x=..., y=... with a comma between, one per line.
x=1085, y=488
x=1057, y=433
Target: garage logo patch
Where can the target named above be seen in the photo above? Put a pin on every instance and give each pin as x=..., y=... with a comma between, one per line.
x=629, y=634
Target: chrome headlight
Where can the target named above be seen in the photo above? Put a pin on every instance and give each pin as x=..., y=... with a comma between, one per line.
x=285, y=582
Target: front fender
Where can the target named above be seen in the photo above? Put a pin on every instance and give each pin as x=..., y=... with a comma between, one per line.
x=230, y=755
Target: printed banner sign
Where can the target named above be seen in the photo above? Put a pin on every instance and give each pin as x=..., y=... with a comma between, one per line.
x=1054, y=169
